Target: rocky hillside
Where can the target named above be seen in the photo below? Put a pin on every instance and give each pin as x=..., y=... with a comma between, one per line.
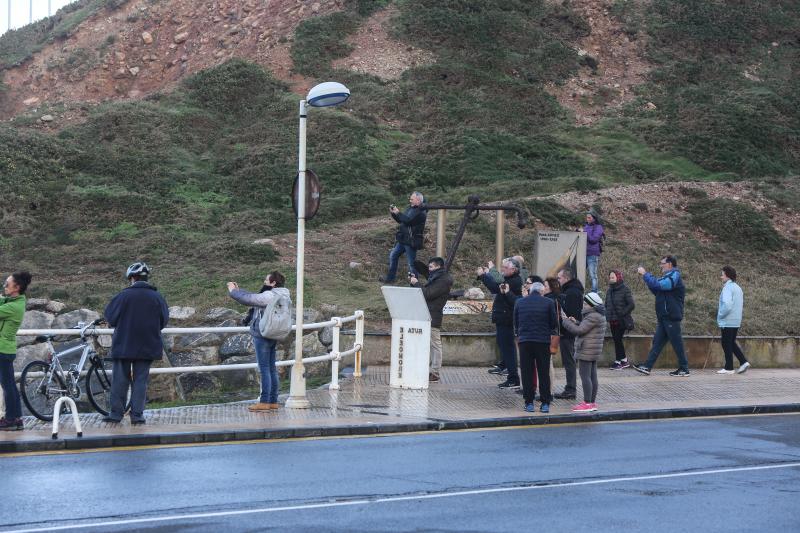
x=165, y=130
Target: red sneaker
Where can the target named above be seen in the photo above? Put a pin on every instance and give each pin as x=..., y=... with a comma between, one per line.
x=583, y=407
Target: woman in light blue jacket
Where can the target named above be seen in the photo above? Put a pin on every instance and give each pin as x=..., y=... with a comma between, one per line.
x=729, y=318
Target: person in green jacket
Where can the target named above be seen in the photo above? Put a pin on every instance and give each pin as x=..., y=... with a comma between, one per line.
x=12, y=309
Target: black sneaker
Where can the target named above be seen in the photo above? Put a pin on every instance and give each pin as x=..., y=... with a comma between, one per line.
x=496, y=369
x=15, y=424
x=564, y=395
x=433, y=378
x=680, y=373
x=137, y=421
x=642, y=369
x=509, y=384
x=111, y=420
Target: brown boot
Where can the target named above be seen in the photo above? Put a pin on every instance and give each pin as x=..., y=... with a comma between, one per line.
x=260, y=406
x=273, y=406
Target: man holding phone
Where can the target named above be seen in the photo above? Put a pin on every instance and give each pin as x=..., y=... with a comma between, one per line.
x=505, y=296
x=409, y=236
x=436, y=291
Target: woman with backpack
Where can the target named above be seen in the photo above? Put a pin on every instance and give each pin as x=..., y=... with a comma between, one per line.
x=619, y=306
x=275, y=299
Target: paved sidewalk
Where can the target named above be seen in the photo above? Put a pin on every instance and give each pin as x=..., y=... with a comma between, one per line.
x=466, y=397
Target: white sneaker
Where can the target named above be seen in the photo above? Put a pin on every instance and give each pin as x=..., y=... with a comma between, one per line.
x=723, y=371
x=743, y=368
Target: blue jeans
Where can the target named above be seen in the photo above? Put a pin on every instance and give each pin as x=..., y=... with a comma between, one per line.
x=591, y=265
x=508, y=349
x=668, y=330
x=394, y=258
x=265, y=355
x=10, y=392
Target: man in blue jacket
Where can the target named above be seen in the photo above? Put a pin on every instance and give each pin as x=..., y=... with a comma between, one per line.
x=137, y=314
x=670, y=293
x=536, y=332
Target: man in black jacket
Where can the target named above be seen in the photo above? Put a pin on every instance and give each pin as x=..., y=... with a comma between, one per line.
x=409, y=236
x=572, y=305
x=436, y=291
x=137, y=314
x=505, y=295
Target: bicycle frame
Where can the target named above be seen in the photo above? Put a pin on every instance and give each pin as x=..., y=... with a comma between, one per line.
x=69, y=378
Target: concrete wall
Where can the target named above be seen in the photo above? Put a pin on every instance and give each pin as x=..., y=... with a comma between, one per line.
x=479, y=349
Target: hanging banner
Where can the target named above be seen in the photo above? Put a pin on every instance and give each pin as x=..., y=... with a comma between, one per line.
x=555, y=249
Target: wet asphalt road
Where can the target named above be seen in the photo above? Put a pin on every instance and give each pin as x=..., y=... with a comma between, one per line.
x=724, y=474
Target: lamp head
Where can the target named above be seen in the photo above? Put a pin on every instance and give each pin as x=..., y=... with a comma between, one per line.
x=327, y=94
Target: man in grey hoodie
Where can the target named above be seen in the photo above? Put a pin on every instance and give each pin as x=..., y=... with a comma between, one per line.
x=265, y=348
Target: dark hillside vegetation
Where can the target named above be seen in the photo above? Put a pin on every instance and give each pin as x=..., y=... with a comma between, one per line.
x=189, y=179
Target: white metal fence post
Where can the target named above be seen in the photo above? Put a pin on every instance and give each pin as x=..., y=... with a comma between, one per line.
x=335, y=352
x=359, y=342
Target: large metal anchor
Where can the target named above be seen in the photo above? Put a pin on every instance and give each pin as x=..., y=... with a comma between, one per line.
x=471, y=212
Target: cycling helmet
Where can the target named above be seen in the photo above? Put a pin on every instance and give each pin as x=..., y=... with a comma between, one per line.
x=139, y=268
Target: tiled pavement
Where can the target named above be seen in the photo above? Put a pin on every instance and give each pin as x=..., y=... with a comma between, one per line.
x=466, y=397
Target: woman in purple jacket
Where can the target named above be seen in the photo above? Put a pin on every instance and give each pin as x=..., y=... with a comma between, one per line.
x=594, y=245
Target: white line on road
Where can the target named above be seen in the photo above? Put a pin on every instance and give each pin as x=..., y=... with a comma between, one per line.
x=389, y=499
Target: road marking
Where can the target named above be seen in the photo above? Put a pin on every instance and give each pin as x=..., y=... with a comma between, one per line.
x=383, y=435
x=416, y=497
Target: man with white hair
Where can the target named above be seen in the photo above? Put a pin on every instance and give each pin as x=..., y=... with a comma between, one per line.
x=409, y=236
x=505, y=295
x=536, y=333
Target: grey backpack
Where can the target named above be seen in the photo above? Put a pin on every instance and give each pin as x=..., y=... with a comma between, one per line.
x=275, y=322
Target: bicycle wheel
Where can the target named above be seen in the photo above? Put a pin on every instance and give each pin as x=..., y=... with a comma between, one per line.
x=39, y=391
x=98, y=386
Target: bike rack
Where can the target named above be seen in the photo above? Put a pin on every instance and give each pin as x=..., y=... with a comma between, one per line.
x=73, y=409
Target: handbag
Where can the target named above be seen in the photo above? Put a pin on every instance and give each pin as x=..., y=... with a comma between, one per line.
x=629, y=325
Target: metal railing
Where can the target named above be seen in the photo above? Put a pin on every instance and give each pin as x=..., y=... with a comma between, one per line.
x=334, y=356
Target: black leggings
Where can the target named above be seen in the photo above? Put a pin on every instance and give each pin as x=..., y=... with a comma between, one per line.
x=617, y=332
x=588, y=372
x=731, y=348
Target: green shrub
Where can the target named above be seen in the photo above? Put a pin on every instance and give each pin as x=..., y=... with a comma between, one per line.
x=552, y=214
x=366, y=8
x=585, y=185
x=235, y=87
x=736, y=224
x=320, y=40
x=710, y=107
x=692, y=192
x=17, y=46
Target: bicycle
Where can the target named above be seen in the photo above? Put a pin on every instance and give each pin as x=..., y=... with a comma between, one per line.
x=43, y=382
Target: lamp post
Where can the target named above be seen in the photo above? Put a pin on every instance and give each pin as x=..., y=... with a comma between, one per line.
x=325, y=94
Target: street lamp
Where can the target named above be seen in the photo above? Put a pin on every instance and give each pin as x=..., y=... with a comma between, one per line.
x=325, y=94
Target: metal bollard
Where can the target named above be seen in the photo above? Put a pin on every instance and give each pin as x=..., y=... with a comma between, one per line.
x=335, y=352
x=73, y=409
x=359, y=341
